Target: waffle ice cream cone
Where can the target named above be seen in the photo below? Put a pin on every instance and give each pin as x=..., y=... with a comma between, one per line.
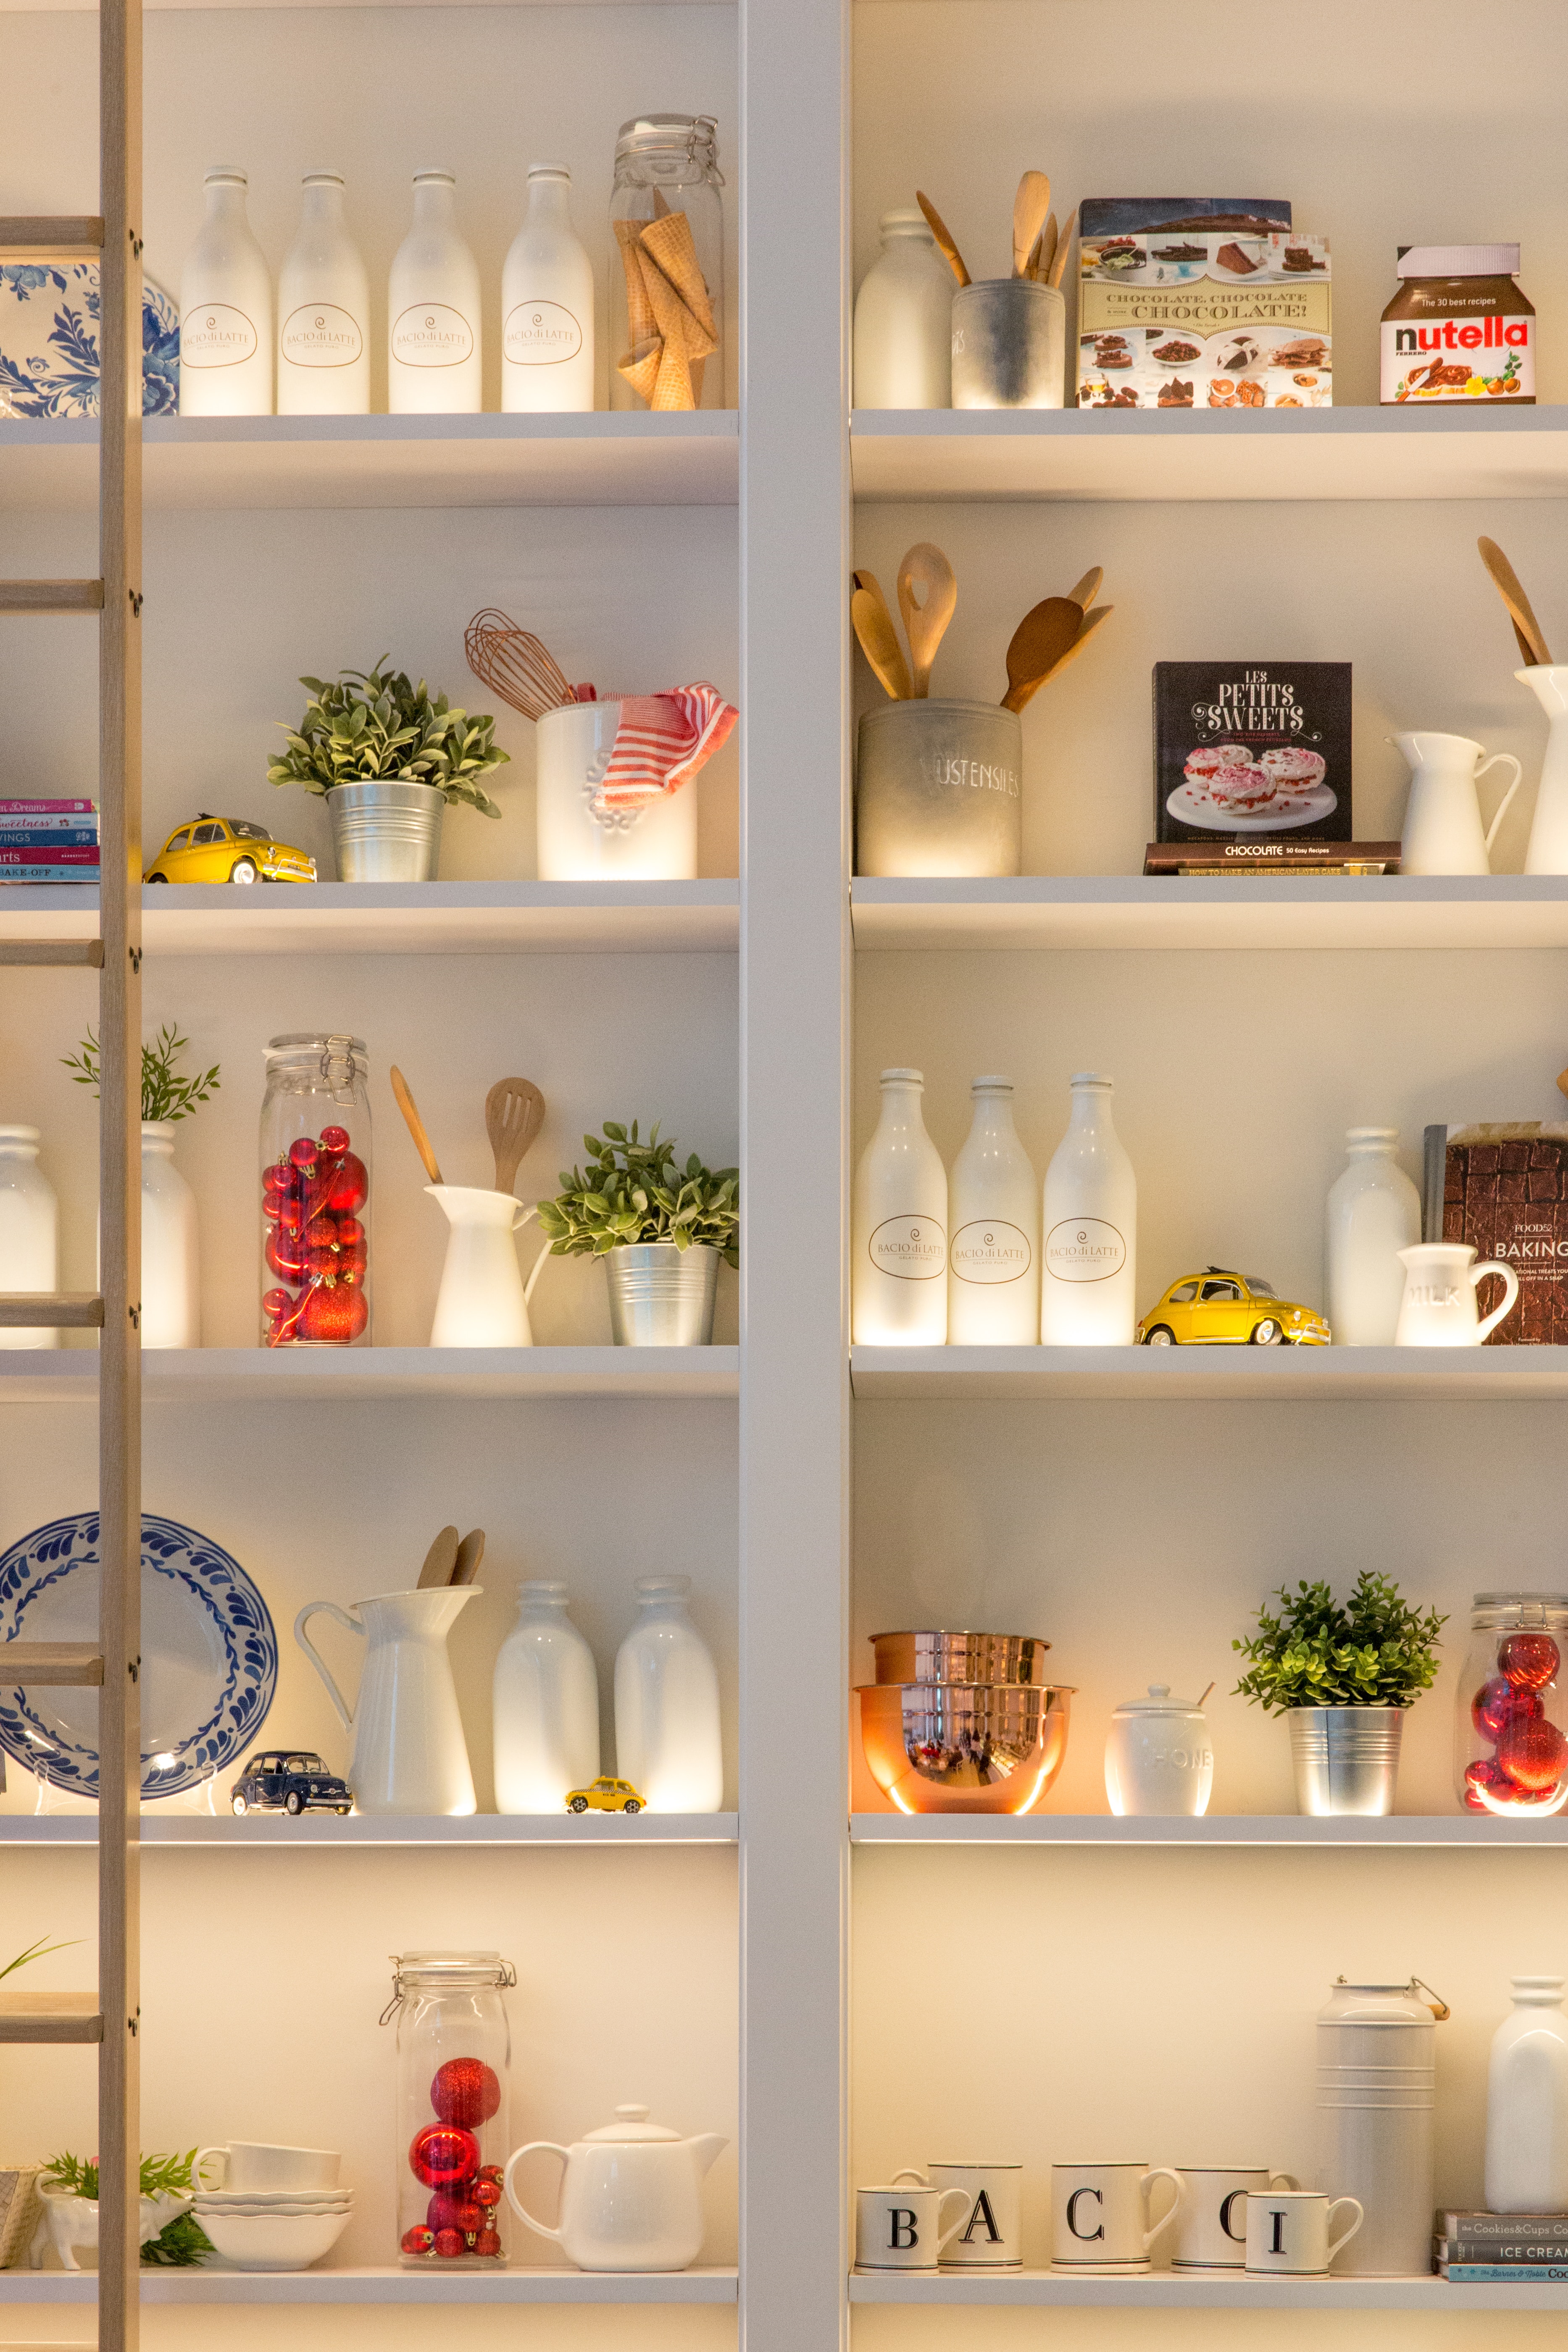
x=670, y=243
x=640, y=322
x=640, y=368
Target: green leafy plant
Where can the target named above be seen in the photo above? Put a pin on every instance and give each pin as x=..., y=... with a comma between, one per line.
x=369, y=725
x=1374, y=1650
x=165, y=1095
x=39, y=1951
x=634, y=1191
x=180, y=2243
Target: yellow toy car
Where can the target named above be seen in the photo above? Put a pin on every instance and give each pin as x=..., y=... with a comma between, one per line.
x=1221, y=1309
x=606, y=1796
x=228, y=849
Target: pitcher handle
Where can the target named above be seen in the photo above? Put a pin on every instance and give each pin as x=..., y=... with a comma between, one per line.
x=1507, y=759
x=1345, y=2235
x=943, y=2201
x=540, y=2229
x=1160, y=2172
x=537, y=1268
x=1511, y=1290
x=312, y=1608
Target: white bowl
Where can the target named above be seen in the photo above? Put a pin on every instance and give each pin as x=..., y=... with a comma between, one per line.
x=262, y=2212
x=274, y=2242
x=273, y=2200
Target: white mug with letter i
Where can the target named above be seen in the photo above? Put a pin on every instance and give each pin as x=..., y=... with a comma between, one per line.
x=1289, y=2231
x=990, y=2237
x=1100, y=2215
x=1211, y=2229
x=899, y=2229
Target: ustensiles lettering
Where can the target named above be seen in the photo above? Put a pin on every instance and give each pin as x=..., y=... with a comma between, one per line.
x=978, y=775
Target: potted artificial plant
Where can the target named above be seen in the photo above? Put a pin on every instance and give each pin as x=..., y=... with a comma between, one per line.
x=1342, y=1676
x=171, y=1254
x=661, y=1229
x=388, y=762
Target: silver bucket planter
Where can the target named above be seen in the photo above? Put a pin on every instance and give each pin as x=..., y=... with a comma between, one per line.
x=939, y=789
x=661, y=1296
x=1346, y=1759
x=386, y=832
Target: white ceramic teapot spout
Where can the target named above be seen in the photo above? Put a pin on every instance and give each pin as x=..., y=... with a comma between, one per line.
x=706, y=2149
x=631, y=2195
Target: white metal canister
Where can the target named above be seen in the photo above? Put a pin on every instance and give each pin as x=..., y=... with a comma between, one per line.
x=1376, y=2078
x=656, y=843
x=1158, y=1759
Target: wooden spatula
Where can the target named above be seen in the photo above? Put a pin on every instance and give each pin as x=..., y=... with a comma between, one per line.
x=1064, y=246
x=514, y=1113
x=879, y=643
x=440, y=1560
x=470, y=1551
x=925, y=567
x=1088, y=589
x=415, y=1124
x=1030, y=205
x=1091, y=622
x=1526, y=627
x=1039, y=641
x=945, y=245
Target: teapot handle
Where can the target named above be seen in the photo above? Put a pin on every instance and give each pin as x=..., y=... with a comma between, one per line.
x=1507, y=759
x=311, y=1608
x=540, y=2229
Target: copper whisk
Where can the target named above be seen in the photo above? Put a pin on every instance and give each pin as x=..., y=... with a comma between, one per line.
x=515, y=664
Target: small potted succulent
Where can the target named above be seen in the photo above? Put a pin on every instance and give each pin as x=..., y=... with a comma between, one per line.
x=661, y=1230
x=389, y=761
x=1342, y=1675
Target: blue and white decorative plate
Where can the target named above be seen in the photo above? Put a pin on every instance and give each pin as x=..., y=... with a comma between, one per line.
x=209, y=1654
x=49, y=341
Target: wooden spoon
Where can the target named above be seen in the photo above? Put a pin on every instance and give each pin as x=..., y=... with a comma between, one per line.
x=1030, y=205
x=440, y=1560
x=1091, y=622
x=1064, y=246
x=514, y=1113
x=925, y=623
x=1526, y=627
x=470, y=1551
x=415, y=1124
x=945, y=245
x=1045, y=251
x=1039, y=641
x=1088, y=589
x=879, y=643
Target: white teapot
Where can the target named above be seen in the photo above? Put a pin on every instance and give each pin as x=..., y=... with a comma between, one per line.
x=631, y=2195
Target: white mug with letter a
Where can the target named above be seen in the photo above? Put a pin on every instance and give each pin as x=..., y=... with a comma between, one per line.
x=901, y=2229
x=989, y=2238
x=1438, y=1309
x=1211, y=2230
x=1100, y=2215
x=1289, y=2232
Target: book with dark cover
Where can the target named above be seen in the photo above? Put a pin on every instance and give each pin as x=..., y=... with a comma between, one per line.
x=1502, y=1186
x=1250, y=750
x=1285, y=853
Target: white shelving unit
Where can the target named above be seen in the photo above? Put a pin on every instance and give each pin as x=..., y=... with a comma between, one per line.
x=313, y=1832
x=1161, y=2290
x=1479, y=1833
x=382, y=2287
x=1188, y=1375
x=317, y=1376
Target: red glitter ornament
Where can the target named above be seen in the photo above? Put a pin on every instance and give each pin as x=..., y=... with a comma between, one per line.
x=445, y=2207
x=487, y=2193
x=1498, y=1703
x=466, y=2090
x=470, y=2217
x=491, y=2172
x=350, y=1186
x=450, y=2243
x=337, y=1315
x=302, y=1153
x=442, y=2154
x=1486, y=1774
x=335, y=1138
x=1534, y=1752
x=284, y=1256
x=419, y=2240
x=1529, y=1660
x=488, y=2242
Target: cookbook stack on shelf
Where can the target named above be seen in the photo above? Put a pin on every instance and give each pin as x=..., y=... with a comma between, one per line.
x=1472, y=2248
x=48, y=841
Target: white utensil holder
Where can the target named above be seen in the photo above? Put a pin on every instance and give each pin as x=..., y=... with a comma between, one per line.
x=656, y=843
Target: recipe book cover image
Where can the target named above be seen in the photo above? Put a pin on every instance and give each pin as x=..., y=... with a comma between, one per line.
x=1245, y=749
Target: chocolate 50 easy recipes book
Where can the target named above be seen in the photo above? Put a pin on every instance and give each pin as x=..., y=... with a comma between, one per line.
x=1247, y=750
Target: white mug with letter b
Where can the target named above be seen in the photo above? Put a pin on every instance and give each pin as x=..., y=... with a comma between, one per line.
x=989, y=2237
x=1211, y=2230
x=1287, y=2231
x=906, y=2229
x=1101, y=2217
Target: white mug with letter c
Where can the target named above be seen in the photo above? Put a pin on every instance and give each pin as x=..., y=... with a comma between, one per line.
x=1101, y=2217
x=990, y=2236
x=1287, y=2231
x=906, y=2229
x=1211, y=2231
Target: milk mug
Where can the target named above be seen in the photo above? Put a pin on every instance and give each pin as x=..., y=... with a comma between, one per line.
x=1287, y=2231
x=1438, y=1309
x=989, y=2237
x=1101, y=2214
x=906, y=2229
x=1442, y=832
x=1211, y=2227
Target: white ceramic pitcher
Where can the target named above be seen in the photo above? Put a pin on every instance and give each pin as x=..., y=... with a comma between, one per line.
x=483, y=1299
x=1442, y=832
x=1438, y=1309
x=1548, y=850
x=409, y=1755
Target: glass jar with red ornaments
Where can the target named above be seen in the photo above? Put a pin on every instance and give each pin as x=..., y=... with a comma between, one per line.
x=315, y=1193
x=1511, y=1731
x=454, y=2050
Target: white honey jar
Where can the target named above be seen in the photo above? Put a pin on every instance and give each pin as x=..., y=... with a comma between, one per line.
x=1157, y=1756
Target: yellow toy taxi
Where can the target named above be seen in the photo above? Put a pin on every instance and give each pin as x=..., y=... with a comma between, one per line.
x=228, y=849
x=606, y=1796
x=1218, y=1309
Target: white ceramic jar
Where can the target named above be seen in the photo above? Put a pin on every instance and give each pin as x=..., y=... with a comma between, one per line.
x=547, y=304
x=904, y=319
x=994, y=1206
x=898, y=1281
x=545, y=1715
x=1158, y=1760
x=1527, y=2103
x=667, y=1738
x=29, y=1229
x=1374, y=1213
x=434, y=352
x=323, y=310
x=1089, y=1250
x=171, y=1256
x=572, y=746
x=225, y=309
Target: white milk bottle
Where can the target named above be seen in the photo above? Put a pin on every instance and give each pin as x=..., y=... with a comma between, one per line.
x=323, y=311
x=433, y=345
x=668, y=1742
x=225, y=309
x=1374, y=1213
x=897, y=1286
x=547, y=304
x=545, y=1715
x=993, y=1250
x=1089, y=1281
x=904, y=319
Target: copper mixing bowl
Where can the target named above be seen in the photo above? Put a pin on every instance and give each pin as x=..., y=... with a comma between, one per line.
x=960, y=1658
x=964, y=1748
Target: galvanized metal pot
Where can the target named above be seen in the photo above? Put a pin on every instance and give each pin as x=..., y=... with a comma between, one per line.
x=939, y=789
x=1346, y=1759
x=1009, y=344
x=661, y=1296
x=386, y=832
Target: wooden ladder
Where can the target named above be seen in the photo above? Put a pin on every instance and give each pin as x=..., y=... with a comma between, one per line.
x=112, y=2020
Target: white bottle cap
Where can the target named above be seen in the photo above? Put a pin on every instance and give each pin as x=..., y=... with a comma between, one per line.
x=906, y=220
x=435, y=172
x=991, y=1085
x=903, y=1078
x=1090, y=1078
x=549, y=172
x=1372, y=1138
x=1459, y=261
x=316, y=179
x=225, y=171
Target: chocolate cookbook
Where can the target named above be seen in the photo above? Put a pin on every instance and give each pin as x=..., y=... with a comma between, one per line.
x=1502, y=1186
x=1252, y=750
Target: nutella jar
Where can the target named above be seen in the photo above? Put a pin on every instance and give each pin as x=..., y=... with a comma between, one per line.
x=1458, y=327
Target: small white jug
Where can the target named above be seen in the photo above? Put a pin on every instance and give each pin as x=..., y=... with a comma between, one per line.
x=1442, y=831
x=1438, y=1309
x=483, y=1300
x=1548, y=850
x=409, y=1756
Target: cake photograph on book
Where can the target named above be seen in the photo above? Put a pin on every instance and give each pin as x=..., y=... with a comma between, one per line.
x=48, y=841
x=1250, y=751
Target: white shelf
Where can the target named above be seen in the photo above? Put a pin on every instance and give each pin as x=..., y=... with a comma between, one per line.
x=1184, y=1375
x=518, y=2284
x=313, y=1831
x=1121, y=911
x=1175, y=454
x=291, y=1376
x=1400, y=1829
x=216, y=462
x=396, y=917
x=1165, y=2291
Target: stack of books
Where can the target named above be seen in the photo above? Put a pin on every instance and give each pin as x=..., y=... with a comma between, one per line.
x=48, y=841
x=1474, y=2247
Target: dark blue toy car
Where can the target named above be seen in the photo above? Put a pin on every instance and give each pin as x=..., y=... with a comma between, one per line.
x=289, y=1778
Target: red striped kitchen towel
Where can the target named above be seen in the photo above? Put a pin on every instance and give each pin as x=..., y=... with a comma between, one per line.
x=661, y=741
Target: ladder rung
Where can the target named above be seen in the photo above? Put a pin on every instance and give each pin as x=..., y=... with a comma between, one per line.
x=52, y=2017
x=42, y=237
x=50, y=1310
x=50, y=1665
x=51, y=596
x=88, y=953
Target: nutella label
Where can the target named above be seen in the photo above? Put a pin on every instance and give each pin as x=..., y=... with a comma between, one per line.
x=320, y=335
x=1458, y=358
x=911, y=1249
x=432, y=334
x=1084, y=1249
x=216, y=336
x=990, y=1252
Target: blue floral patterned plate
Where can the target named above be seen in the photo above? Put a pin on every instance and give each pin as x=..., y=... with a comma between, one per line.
x=48, y=343
x=209, y=1654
